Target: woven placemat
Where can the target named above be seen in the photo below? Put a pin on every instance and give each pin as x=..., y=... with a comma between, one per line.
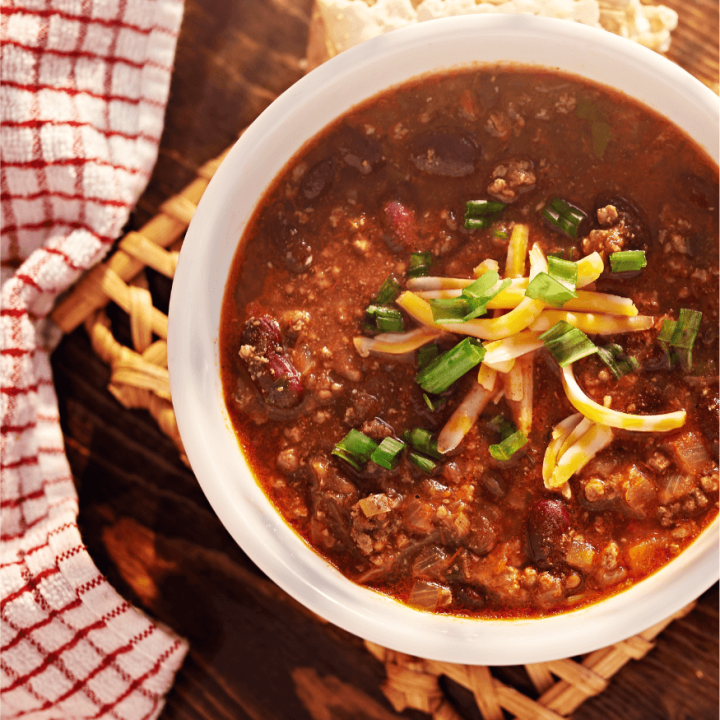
x=139, y=379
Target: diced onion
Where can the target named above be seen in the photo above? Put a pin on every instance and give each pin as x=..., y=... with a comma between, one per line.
x=395, y=343
x=593, y=324
x=606, y=416
x=428, y=596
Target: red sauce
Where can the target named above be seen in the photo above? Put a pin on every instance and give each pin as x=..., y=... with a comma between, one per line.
x=478, y=536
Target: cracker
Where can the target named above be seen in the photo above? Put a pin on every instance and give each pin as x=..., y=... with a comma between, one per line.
x=350, y=22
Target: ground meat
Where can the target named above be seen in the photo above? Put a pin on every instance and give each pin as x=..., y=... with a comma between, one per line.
x=511, y=178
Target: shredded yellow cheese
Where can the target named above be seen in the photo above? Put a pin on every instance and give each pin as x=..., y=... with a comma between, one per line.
x=517, y=251
x=559, y=434
x=606, y=416
x=580, y=454
x=589, y=268
x=487, y=376
x=465, y=415
x=395, y=343
x=592, y=323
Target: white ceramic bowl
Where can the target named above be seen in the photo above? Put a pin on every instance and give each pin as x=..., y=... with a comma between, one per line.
x=210, y=245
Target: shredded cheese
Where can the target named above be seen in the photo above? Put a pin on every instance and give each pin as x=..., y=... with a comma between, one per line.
x=580, y=454
x=593, y=324
x=395, y=343
x=559, y=434
x=606, y=416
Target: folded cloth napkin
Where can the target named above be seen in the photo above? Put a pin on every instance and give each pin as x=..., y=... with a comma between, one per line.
x=84, y=88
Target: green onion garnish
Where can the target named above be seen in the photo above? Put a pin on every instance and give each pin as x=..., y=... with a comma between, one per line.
x=509, y=446
x=564, y=217
x=612, y=356
x=472, y=302
x=426, y=354
x=355, y=448
x=481, y=213
x=423, y=441
x=566, y=343
x=500, y=234
x=681, y=335
x=450, y=310
x=434, y=403
x=442, y=372
x=388, y=292
x=419, y=264
x=388, y=452
x=424, y=463
x=550, y=291
x=627, y=261
x=387, y=319
x=502, y=426
x=564, y=271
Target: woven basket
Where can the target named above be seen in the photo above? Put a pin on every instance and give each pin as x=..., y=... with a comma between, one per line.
x=139, y=379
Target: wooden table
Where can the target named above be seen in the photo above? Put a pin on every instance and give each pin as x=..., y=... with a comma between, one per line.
x=255, y=653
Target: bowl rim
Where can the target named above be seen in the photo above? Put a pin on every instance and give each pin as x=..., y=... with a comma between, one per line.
x=197, y=392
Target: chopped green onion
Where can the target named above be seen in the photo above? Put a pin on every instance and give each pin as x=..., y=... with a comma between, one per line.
x=566, y=343
x=347, y=457
x=509, y=446
x=479, y=288
x=472, y=302
x=564, y=271
x=451, y=365
x=481, y=213
x=620, y=366
x=423, y=441
x=627, y=261
x=682, y=335
x=388, y=292
x=355, y=448
x=449, y=310
x=564, y=217
x=387, y=319
x=424, y=463
x=550, y=291
x=665, y=336
x=434, y=403
x=501, y=426
x=388, y=452
x=500, y=234
x=426, y=354
x=419, y=264
x=480, y=208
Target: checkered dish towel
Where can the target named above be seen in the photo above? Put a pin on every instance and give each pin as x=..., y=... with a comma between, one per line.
x=84, y=88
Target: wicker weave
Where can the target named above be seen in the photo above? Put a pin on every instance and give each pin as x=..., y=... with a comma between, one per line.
x=139, y=379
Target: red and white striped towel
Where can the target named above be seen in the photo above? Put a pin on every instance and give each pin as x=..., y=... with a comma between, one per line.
x=84, y=88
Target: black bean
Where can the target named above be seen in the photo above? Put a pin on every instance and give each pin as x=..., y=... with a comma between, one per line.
x=360, y=151
x=638, y=235
x=317, y=179
x=449, y=152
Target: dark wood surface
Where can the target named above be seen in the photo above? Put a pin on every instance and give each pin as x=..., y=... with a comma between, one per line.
x=255, y=653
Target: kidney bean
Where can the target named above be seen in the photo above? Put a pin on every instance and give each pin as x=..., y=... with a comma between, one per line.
x=546, y=526
x=272, y=372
